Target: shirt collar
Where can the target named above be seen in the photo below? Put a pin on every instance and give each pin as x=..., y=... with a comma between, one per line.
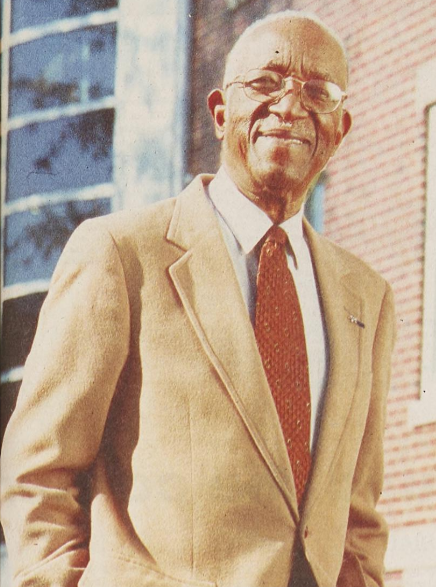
x=247, y=222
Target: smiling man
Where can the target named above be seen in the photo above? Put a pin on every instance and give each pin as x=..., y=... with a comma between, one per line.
x=274, y=142
x=204, y=401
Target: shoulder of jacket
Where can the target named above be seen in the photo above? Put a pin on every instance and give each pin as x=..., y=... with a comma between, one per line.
x=150, y=222
x=368, y=277
x=130, y=223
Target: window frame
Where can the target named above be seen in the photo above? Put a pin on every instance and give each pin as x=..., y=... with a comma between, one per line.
x=423, y=410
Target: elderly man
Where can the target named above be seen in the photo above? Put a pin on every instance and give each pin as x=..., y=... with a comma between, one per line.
x=204, y=401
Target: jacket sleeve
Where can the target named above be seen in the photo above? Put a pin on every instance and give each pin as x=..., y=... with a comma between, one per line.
x=367, y=533
x=54, y=434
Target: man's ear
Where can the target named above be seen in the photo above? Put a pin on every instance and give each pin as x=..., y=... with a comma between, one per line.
x=345, y=127
x=215, y=103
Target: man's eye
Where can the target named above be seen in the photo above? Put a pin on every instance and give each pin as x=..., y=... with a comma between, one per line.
x=317, y=91
x=264, y=84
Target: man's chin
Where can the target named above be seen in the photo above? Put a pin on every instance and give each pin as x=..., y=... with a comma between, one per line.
x=278, y=180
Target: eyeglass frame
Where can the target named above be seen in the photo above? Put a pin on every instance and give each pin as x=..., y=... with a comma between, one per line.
x=285, y=90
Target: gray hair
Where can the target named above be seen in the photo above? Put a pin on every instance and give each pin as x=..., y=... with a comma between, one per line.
x=275, y=17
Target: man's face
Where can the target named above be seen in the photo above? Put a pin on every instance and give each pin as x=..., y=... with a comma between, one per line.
x=279, y=147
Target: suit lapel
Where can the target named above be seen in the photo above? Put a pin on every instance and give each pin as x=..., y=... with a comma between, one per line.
x=205, y=280
x=343, y=311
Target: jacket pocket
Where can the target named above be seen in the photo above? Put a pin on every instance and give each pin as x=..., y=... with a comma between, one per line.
x=351, y=572
x=119, y=570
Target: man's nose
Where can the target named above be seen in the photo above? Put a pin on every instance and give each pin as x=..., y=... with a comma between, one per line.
x=289, y=105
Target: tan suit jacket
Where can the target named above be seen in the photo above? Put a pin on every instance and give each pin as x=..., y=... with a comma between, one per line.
x=145, y=449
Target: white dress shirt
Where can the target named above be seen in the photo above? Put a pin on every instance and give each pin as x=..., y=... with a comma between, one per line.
x=243, y=225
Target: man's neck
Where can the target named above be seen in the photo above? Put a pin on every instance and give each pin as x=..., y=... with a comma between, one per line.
x=278, y=204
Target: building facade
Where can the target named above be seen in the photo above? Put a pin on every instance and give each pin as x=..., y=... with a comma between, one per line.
x=379, y=202
x=106, y=109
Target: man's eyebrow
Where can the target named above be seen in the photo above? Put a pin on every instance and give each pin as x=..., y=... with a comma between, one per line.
x=310, y=73
x=307, y=73
x=273, y=66
x=318, y=75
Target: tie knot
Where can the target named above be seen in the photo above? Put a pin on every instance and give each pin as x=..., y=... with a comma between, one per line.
x=277, y=235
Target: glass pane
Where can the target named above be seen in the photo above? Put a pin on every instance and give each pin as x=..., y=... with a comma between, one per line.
x=27, y=13
x=20, y=316
x=62, y=69
x=8, y=399
x=66, y=153
x=34, y=240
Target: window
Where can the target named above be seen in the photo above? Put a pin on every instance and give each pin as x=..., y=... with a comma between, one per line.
x=94, y=118
x=57, y=151
x=423, y=411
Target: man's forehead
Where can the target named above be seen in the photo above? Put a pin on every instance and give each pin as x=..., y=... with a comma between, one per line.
x=284, y=45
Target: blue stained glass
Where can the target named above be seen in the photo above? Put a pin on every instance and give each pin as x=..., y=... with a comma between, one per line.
x=35, y=239
x=63, y=154
x=62, y=69
x=28, y=13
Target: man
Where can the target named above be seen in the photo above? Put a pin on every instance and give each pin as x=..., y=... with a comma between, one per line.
x=159, y=439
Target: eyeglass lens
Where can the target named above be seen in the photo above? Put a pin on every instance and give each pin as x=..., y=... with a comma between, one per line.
x=316, y=95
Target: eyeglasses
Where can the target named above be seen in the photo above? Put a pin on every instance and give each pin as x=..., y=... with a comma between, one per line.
x=316, y=95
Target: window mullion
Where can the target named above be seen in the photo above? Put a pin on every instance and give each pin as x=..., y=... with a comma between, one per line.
x=66, y=25
x=58, y=112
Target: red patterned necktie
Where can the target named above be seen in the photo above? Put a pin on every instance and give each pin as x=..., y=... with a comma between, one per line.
x=280, y=338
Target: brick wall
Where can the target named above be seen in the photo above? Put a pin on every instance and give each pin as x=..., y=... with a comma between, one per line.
x=375, y=204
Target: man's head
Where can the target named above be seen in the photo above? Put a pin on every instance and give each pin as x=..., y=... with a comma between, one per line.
x=274, y=146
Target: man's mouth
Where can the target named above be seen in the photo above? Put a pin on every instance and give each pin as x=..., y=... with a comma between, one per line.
x=284, y=134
